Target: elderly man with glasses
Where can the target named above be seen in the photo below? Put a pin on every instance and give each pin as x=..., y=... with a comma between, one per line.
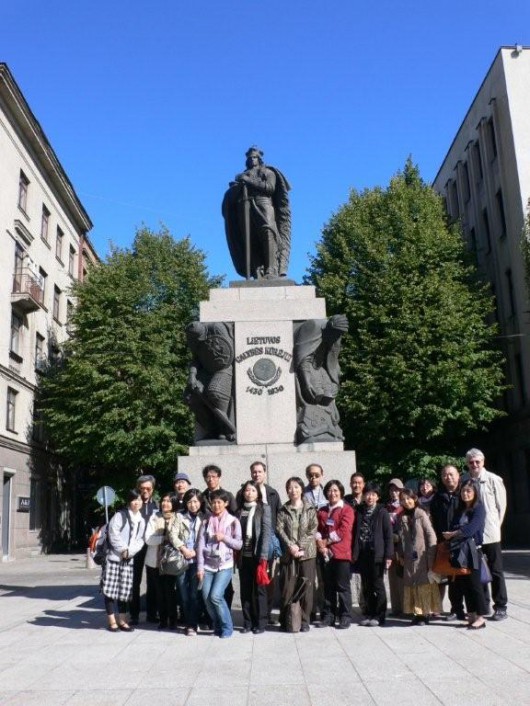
x=493, y=496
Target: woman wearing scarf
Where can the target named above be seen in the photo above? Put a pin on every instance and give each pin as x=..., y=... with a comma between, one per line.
x=417, y=551
x=184, y=535
x=220, y=535
x=255, y=519
x=334, y=543
x=126, y=538
x=156, y=534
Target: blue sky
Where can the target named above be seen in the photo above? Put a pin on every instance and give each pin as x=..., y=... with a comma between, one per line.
x=150, y=106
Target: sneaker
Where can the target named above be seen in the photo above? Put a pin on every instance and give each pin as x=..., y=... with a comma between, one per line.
x=304, y=627
x=373, y=623
x=326, y=622
x=344, y=623
x=418, y=620
x=460, y=615
x=190, y=632
x=365, y=622
x=499, y=614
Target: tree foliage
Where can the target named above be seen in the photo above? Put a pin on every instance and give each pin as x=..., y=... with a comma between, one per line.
x=115, y=403
x=420, y=370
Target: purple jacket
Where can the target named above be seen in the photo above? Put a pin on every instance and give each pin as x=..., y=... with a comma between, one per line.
x=213, y=555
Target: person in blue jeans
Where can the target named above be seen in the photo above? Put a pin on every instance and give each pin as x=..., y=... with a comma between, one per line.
x=219, y=536
x=184, y=535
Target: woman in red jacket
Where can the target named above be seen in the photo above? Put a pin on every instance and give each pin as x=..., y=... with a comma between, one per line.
x=334, y=542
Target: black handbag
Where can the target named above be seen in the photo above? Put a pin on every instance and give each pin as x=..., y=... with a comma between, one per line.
x=172, y=561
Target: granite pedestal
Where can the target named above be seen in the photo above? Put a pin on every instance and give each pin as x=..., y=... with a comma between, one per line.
x=265, y=389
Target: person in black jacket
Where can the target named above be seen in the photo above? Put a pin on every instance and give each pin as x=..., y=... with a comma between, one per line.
x=372, y=552
x=444, y=507
x=255, y=519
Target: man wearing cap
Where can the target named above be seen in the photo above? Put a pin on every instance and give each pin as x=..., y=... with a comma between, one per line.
x=395, y=572
x=493, y=496
x=181, y=483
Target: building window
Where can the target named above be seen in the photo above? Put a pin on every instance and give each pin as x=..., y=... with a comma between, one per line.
x=477, y=159
x=502, y=214
x=465, y=182
x=40, y=357
x=11, y=409
x=23, y=184
x=69, y=314
x=519, y=376
x=473, y=240
x=35, y=521
x=37, y=431
x=16, y=334
x=511, y=295
x=71, y=261
x=59, y=244
x=56, y=303
x=43, y=279
x=491, y=138
x=455, y=204
x=486, y=223
x=44, y=223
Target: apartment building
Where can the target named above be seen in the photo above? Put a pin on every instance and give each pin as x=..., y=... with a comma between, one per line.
x=44, y=248
x=485, y=180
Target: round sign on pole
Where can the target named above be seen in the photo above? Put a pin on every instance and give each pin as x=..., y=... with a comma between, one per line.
x=106, y=496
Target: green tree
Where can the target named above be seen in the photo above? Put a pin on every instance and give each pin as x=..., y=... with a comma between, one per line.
x=115, y=403
x=420, y=369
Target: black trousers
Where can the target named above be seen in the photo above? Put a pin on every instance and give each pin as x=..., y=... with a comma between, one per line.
x=151, y=590
x=373, y=585
x=493, y=554
x=254, y=603
x=167, y=599
x=337, y=588
x=473, y=592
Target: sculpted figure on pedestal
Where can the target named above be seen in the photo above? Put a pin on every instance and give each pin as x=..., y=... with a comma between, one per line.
x=316, y=363
x=258, y=220
x=209, y=391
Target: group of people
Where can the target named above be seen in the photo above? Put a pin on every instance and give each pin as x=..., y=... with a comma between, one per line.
x=304, y=556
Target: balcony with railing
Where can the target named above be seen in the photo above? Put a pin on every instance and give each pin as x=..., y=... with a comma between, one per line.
x=28, y=292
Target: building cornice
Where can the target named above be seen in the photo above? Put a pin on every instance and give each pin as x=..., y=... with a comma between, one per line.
x=30, y=128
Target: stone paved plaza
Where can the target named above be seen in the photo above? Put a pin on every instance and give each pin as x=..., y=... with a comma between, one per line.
x=54, y=649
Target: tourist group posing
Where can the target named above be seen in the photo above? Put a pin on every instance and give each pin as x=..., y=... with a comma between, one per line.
x=305, y=556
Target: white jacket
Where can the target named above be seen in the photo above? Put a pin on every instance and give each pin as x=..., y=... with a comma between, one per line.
x=125, y=534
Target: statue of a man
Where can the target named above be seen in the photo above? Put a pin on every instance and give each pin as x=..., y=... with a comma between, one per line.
x=258, y=220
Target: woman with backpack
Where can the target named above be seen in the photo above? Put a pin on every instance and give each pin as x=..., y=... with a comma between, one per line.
x=125, y=539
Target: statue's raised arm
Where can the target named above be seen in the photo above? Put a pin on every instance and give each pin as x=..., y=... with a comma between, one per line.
x=258, y=220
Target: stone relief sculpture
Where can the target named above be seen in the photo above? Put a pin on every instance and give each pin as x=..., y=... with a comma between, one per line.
x=258, y=220
x=209, y=391
x=316, y=364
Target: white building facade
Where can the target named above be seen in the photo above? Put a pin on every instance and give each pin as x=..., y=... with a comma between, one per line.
x=485, y=179
x=44, y=248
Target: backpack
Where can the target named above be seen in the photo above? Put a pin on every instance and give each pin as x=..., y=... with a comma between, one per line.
x=99, y=543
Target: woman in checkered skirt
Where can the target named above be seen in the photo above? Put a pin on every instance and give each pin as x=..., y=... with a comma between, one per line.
x=126, y=538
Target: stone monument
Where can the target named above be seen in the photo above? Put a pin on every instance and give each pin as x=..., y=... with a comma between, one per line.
x=265, y=370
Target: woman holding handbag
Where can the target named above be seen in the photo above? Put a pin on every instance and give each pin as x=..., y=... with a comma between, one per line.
x=466, y=541
x=184, y=536
x=156, y=537
x=255, y=519
x=296, y=526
